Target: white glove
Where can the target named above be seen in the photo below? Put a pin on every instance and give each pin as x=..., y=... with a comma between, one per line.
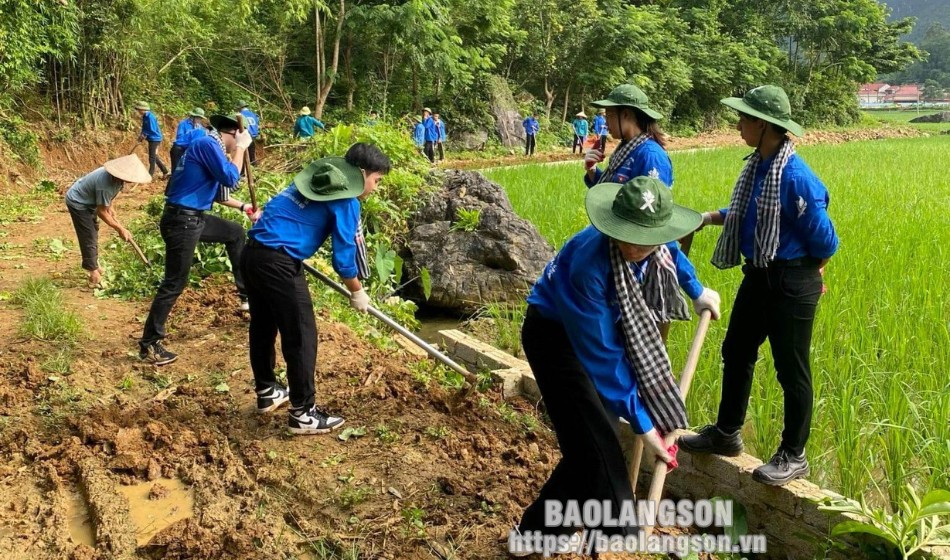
x=709, y=299
x=592, y=158
x=359, y=300
x=655, y=445
x=243, y=139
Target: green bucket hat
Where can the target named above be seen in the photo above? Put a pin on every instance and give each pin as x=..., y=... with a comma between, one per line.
x=641, y=211
x=197, y=112
x=628, y=95
x=330, y=178
x=241, y=104
x=769, y=103
x=142, y=105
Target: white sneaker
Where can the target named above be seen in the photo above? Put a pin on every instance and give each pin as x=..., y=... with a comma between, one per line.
x=313, y=421
x=244, y=306
x=272, y=398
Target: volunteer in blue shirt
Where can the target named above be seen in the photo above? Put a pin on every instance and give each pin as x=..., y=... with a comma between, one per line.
x=205, y=176
x=591, y=339
x=153, y=134
x=777, y=221
x=322, y=202
x=531, y=128
x=90, y=199
x=373, y=118
x=641, y=153
x=253, y=124
x=306, y=125
x=431, y=134
x=419, y=134
x=580, y=132
x=189, y=128
x=440, y=141
x=600, y=129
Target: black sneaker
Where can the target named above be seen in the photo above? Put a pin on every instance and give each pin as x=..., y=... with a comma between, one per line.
x=782, y=469
x=710, y=439
x=244, y=306
x=156, y=354
x=271, y=398
x=314, y=421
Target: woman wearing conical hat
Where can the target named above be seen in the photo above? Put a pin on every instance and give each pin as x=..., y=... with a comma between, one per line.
x=90, y=199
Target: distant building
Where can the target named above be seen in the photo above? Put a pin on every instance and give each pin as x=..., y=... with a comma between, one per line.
x=872, y=95
x=880, y=95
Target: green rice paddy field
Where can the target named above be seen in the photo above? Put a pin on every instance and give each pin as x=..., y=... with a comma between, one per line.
x=881, y=349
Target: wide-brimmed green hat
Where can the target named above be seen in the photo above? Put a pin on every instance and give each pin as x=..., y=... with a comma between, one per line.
x=241, y=104
x=142, y=105
x=330, y=178
x=197, y=112
x=225, y=122
x=641, y=211
x=769, y=103
x=628, y=95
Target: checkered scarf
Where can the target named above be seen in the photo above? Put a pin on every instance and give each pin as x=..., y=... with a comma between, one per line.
x=362, y=261
x=620, y=156
x=644, y=347
x=768, y=210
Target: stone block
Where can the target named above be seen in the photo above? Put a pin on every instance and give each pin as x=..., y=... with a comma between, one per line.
x=529, y=386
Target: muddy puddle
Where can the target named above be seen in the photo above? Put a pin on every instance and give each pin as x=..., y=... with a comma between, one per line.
x=153, y=506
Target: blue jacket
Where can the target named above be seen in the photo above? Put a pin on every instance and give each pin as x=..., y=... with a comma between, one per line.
x=805, y=229
x=184, y=132
x=580, y=127
x=440, y=127
x=419, y=134
x=531, y=125
x=252, y=122
x=194, y=183
x=431, y=134
x=150, y=129
x=300, y=226
x=304, y=127
x=600, y=125
x=652, y=160
x=576, y=289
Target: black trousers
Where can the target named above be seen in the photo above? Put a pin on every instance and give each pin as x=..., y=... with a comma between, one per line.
x=280, y=302
x=429, y=150
x=603, y=142
x=578, y=144
x=592, y=466
x=441, y=148
x=86, y=224
x=153, y=158
x=181, y=234
x=175, y=154
x=529, y=144
x=777, y=303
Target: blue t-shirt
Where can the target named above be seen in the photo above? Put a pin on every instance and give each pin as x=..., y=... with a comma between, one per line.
x=431, y=134
x=194, y=183
x=600, y=125
x=531, y=126
x=150, y=129
x=419, y=134
x=300, y=226
x=650, y=159
x=304, y=127
x=805, y=229
x=580, y=126
x=440, y=127
x=576, y=289
x=183, y=133
x=96, y=188
x=252, y=122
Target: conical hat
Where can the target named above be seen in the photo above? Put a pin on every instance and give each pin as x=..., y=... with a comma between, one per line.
x=128, y=168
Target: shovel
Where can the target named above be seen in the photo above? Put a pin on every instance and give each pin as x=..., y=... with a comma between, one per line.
x=470, y=379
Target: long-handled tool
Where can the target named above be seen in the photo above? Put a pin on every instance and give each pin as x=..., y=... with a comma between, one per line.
x=138, y=250
x=686, y=379
x=471, y=380
x=247, y=168
x=135, y=146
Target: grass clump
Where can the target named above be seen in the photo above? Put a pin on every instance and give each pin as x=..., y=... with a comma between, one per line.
x=46, y=316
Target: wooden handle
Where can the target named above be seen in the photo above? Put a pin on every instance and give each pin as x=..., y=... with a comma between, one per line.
x=138, y=250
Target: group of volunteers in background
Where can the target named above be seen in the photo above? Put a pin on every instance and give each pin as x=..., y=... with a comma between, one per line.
x=428, y=134
x=595, y=328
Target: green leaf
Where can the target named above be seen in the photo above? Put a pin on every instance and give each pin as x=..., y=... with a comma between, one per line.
x=56, y=246
x=426, y=282
x=346, y=434
x=397, y=268
x=848, y=527
x=222, y=388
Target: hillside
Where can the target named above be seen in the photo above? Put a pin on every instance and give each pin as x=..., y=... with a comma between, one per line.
x=927, y=13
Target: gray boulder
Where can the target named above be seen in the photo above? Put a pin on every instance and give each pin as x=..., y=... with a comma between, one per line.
x=505, y=111
x=942, y=117
x=496, y=262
